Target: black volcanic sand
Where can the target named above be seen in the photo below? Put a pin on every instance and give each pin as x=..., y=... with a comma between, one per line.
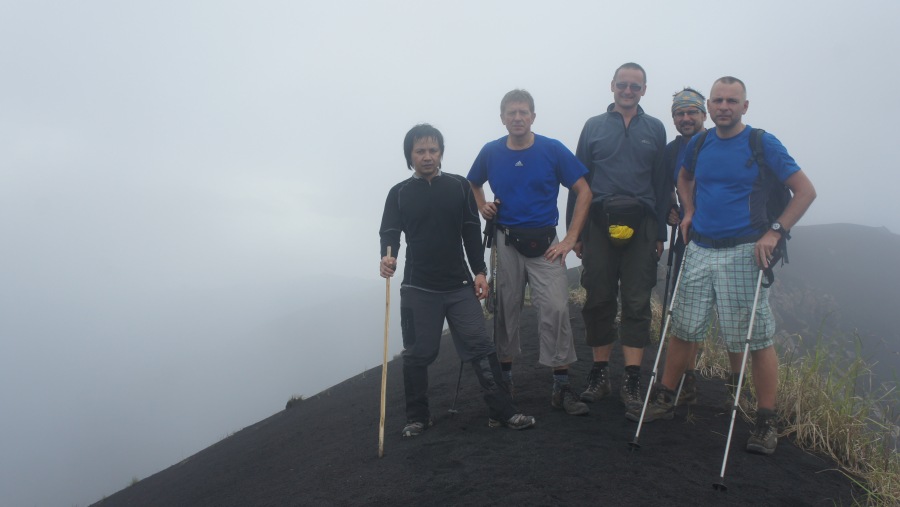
x=323, y=451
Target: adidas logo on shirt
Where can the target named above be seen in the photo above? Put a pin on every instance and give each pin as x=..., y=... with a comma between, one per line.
x=520, y=164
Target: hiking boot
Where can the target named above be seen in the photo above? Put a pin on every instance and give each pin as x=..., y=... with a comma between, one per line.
x=598, y=385
x=630, y=393
x=764, y=437
x=564, y=398
x=415, y=428
x=688, y=395
x=661, y=406
x=516, y=422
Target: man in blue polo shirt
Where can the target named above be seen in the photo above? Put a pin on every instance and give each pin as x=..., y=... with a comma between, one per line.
x=725, y=251
x=525, y=171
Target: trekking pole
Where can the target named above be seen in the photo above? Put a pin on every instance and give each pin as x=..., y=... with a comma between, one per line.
x=662, y=339
x=720, y=484
x=387, y=319
x=453, y=410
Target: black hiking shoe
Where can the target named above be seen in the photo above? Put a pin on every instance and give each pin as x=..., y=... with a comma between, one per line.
x=516, y=422
x=415, y=428
x=564, y=398
x=764, y=438
x=630, y=394
x=661, y=406
x=598, y=385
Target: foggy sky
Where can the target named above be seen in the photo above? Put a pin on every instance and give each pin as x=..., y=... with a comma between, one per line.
x=190, y=192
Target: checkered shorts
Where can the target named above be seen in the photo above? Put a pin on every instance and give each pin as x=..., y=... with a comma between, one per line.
x=724, y=280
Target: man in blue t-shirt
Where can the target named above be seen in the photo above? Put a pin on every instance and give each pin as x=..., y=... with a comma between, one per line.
x=723, y=262
x=525, y=171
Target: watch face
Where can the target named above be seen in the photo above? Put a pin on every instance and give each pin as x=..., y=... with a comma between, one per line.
x=776, y=226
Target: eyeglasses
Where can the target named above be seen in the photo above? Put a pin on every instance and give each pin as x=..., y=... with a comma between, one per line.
x=682, y=113
x=634, y=86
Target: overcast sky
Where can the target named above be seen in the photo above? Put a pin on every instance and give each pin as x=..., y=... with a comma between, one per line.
x=189, y=191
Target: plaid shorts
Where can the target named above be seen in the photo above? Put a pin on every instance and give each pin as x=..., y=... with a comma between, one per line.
x=723, y=279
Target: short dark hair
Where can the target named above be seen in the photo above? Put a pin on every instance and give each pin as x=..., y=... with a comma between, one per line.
x=517, y=95
x=421, y=131
x=631, y=65
x=732, y=80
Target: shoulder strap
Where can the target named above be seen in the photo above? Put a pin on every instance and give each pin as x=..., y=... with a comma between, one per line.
x=756, y=149
x=701, y=138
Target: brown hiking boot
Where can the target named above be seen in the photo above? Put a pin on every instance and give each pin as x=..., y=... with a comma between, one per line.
x=661, y=406
x=564, y=398
x=764, y=438
x=630, y=393
x=688, y=394
x=598, y=385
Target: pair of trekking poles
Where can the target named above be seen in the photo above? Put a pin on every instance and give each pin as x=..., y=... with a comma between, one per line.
x=719, y=484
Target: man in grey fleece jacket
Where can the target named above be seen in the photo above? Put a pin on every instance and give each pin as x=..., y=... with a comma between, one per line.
x=623, y=150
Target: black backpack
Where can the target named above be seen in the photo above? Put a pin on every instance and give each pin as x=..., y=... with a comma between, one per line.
x=770, y=203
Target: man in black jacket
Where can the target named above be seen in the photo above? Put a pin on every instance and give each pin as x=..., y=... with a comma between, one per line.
x=438, y=215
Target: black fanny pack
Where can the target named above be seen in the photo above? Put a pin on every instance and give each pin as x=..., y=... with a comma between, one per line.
x=621, y=215
x=530, y=242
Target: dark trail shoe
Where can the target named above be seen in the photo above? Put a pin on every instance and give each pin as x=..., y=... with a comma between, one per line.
x=516, y=422
x=631, y=393
x=661, y=406
x=415, y=428
x=598, y=385
x=765, y=435
x=564, y=398
x=688, y=395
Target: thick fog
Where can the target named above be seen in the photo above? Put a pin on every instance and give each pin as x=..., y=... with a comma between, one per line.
x=190, y=192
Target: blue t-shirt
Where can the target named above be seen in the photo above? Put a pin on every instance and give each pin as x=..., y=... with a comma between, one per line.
x=724, y=182
x=527, y=181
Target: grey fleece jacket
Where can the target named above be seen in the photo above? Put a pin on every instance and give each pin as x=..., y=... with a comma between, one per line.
x=626, y=161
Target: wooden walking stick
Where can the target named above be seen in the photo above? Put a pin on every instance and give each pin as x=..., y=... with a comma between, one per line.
x=387, y=319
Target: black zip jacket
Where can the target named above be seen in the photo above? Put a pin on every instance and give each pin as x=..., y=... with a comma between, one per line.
x=437, y=218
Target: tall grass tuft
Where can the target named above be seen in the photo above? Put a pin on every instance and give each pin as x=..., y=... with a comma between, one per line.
x=831, y=406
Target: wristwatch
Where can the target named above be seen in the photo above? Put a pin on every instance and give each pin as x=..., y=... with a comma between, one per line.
x=777, y=227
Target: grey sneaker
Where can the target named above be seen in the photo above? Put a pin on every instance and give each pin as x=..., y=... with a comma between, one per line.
x=564, y=398
x=661, y=405
x=598, y=385
x=688, y=395
x=630, y=393
x=516, y=422
x=764, y=438
x=415, y=428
